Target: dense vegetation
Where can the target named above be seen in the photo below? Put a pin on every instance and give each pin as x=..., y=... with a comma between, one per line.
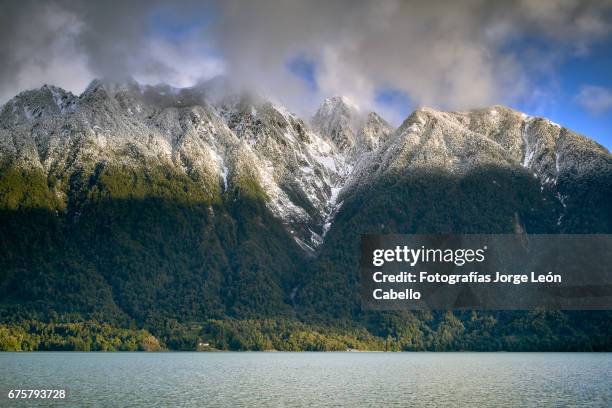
x=127, y=255
x=78, y=336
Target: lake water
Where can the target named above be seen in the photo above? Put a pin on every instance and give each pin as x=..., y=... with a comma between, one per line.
x=311, y=379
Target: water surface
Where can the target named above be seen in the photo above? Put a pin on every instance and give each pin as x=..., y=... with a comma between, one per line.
x=312, y=379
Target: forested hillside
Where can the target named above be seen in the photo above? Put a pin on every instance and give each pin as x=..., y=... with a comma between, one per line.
x=136, y=218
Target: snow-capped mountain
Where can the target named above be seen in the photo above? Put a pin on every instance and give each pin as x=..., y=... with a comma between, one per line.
x=353, y=131
x=498, y=136
x=156, y=204
x=460, y=141
x=236, y=142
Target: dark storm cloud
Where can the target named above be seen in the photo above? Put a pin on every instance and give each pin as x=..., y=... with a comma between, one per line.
x=442, y=53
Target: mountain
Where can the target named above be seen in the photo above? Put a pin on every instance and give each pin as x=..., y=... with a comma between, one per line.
x=211, y=212
x=460, y=142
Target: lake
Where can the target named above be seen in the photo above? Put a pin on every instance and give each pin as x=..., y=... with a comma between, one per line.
x=311, y=379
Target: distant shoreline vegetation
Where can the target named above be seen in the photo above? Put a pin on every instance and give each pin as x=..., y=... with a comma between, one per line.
x=458, y=331
x=85, y=336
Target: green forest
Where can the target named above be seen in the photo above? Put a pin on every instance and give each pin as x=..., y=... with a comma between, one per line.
x=145, y=260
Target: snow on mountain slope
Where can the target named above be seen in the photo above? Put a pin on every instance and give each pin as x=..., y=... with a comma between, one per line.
x=457, y=142
x=355, y=134
x=351, y=130
x=338, y=119
x=222, y=140
x=240, y=139
x=301, y=167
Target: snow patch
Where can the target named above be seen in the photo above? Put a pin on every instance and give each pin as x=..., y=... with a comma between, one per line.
x=304, y=245
x=224, y=173
x=528, y=150
x=326, y=161
x=223, y=169
x=307, y=169
x=335, y=191
x=414, y=128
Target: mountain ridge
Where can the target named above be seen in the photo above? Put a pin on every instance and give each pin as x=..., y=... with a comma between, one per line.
x=196, y=213
x=304, y=168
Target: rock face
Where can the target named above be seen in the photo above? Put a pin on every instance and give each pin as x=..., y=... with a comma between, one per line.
x=224, y=141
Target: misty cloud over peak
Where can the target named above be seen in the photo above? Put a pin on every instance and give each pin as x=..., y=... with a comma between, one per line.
x=450, y=55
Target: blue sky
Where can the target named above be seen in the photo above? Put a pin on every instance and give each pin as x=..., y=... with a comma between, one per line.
x=594, y=69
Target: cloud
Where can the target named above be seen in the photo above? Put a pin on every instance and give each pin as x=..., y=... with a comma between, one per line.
x=595, y=99
x=69, y=42
x=193, y=62
x=450, y=55
x=40, y=45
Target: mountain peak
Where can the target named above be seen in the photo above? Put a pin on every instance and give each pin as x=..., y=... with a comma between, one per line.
x=94, y=85
x=340, y=101
x=32, y=104
x=113, y=86
x=338, y=118
x=374, y=131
